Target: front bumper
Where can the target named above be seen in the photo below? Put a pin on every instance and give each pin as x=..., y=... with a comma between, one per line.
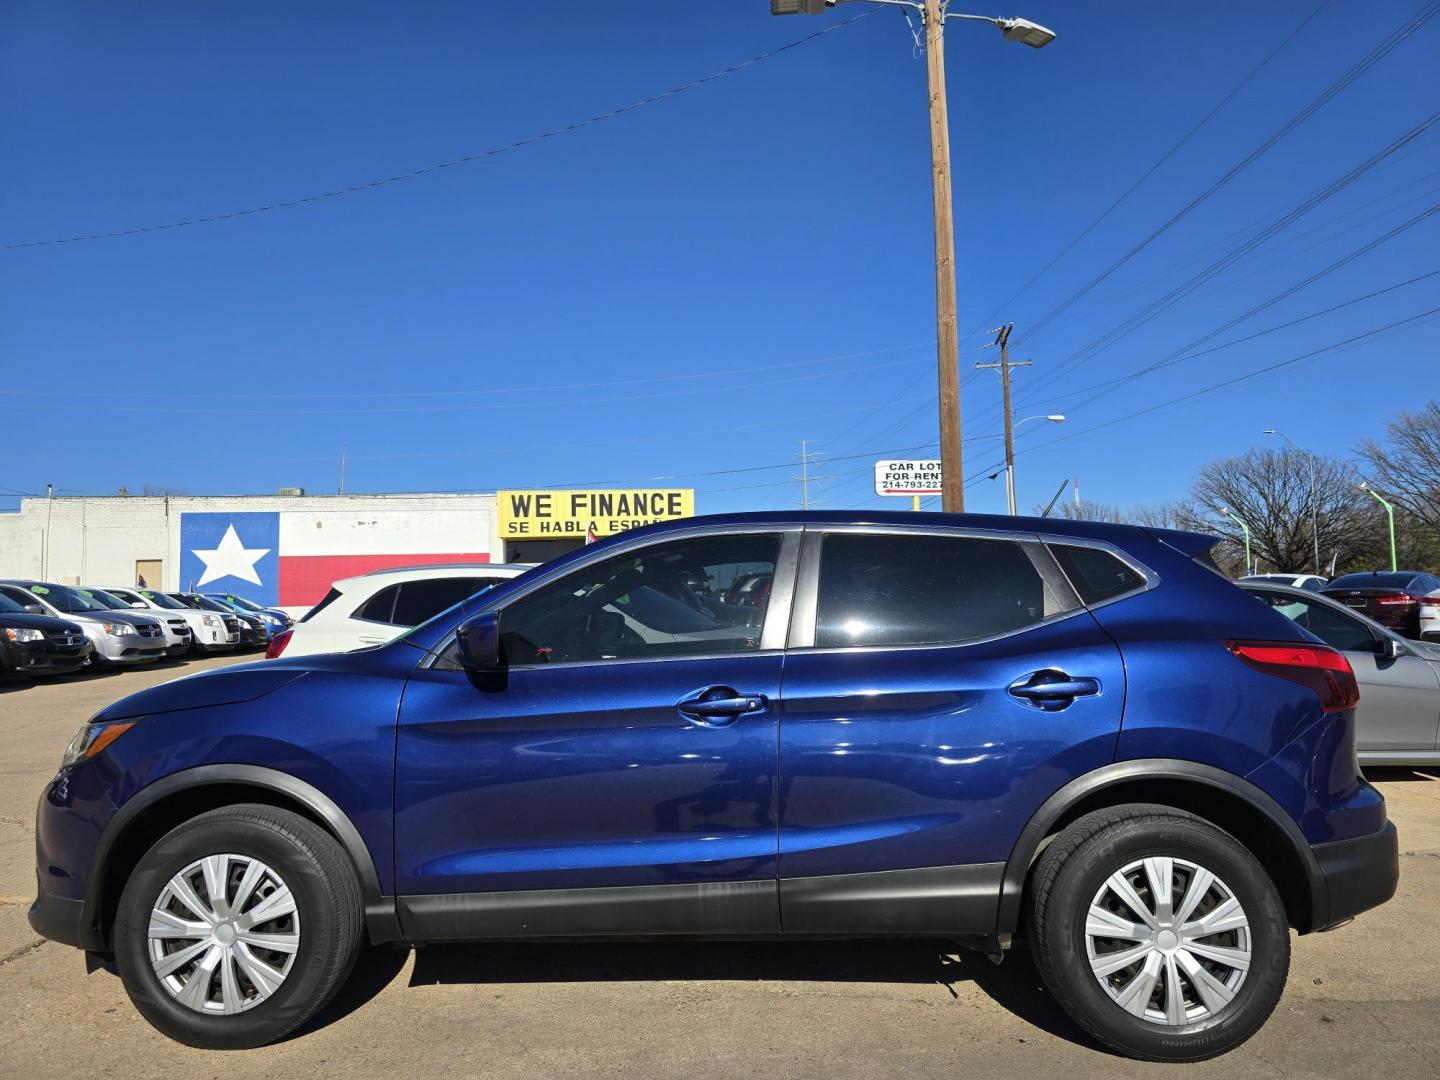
x=48, y=658
x=1356, y=875
x=61, y=919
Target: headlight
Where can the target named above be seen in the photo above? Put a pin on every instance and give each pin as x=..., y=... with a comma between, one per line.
x=24, y=633
x=91, y=739
x=211, y=620
x=118, y=629
x=270, y=620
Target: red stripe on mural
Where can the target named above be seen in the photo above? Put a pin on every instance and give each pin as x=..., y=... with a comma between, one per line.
x=305, y=579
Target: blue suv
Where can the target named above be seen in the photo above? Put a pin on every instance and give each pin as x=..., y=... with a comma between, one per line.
x=987, y=729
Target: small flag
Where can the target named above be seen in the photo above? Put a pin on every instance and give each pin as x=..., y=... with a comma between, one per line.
x=590, y=534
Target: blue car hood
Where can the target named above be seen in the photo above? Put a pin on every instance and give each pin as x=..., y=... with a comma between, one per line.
x=227, y=686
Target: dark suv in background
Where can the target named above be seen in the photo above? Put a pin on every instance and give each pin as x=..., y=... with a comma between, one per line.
x=981, y=728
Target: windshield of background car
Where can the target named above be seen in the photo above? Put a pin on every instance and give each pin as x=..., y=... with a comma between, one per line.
x=206, y=604
x=104, y=599
x=243, y=604
x=1372, y=581
x=161, y=600
x=68, y=600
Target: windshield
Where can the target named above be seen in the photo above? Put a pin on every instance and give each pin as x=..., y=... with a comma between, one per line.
x=66, y=599
x=204, y=603
x=159, y=599
x=243, y=604
x=1372, y=581
x=104, y=599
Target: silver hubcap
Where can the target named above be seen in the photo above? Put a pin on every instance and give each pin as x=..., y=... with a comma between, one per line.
x=224, y=934
x=1168, y=941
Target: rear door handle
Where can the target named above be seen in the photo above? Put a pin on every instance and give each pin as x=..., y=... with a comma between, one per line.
x=1052, y=689
x=720, y=705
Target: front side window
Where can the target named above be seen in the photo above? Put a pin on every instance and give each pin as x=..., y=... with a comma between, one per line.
x=887, y=589
x=668, y=600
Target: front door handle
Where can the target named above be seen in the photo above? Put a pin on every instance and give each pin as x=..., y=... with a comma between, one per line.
x=1052, y=689
x=720, y=705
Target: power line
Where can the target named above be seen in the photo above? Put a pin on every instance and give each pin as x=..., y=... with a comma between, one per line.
x=1155, y=167
x=545, y=387
x=1169, y=299
x=1379, y=52
x=466, y=159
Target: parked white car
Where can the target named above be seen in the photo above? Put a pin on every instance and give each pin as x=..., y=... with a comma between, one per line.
x=1308, y=582
x=373, y=608
x=207, y=629
x=178, y=636
x=118, y=637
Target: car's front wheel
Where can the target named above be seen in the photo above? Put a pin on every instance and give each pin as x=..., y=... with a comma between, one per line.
x=1160, y=934
x=237, y=926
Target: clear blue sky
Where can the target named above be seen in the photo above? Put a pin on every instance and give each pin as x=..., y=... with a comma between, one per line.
x=776, y=216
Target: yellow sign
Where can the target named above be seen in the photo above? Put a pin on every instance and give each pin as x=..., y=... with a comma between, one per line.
x=558, y=515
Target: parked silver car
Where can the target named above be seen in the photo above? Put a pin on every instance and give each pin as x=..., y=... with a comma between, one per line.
x=1398, y=720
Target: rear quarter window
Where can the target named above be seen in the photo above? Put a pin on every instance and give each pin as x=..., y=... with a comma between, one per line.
x=1096, y=574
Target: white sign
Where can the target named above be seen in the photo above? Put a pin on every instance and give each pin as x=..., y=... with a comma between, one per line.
x=907, y=478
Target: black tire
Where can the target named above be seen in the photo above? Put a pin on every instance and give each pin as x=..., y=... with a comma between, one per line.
x=1070, y=873
x=320, y=877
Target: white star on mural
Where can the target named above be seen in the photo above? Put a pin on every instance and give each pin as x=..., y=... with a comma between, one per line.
x=230, y=558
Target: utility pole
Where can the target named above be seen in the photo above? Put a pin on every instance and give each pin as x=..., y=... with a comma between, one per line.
x=934, y=14
x=952, y=467
x=1002, y=338
x=804, y=475
x=45, y=551
x=342, y=470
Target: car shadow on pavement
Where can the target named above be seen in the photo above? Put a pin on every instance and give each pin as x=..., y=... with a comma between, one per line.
x=1014, y=985
x=1391, y=773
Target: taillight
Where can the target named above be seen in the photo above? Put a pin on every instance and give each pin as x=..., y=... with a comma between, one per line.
x=1397, y=598
x=1321, y=668
x=278, y=643
x=1430, y=601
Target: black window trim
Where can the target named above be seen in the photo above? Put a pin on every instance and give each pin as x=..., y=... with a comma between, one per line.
x=777, y=614
x=807, y=585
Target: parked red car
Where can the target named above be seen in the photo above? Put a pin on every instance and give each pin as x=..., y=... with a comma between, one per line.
x=1406, y=601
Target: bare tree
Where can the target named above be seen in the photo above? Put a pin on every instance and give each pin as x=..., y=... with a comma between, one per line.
x=1270, y=491
x=1407, y=469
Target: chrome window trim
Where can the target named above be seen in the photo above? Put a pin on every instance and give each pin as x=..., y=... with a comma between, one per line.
x=775, y=620
x=807, y=590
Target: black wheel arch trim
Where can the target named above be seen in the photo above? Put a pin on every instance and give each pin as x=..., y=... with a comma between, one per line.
x=1042, y=823
x=380, y=915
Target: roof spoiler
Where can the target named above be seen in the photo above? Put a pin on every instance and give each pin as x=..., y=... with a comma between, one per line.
x=1190, y=544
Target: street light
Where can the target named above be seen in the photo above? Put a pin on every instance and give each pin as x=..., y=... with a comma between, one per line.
x=1243, y=528
x=1314, y=503
x=934, y=14
x=1054, y=418
x=1390, y=514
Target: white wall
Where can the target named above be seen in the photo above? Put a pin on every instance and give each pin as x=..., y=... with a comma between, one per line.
x=97, y=540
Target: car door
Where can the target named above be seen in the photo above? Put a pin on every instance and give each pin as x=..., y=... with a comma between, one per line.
x=1399, y=695
x=939, y=687
x=619, y=771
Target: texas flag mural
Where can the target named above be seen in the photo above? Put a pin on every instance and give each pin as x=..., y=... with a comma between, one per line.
x=289, y=558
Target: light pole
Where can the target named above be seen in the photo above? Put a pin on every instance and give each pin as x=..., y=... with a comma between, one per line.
x=1390, y=514
x=934, y=14
x=1314, y=504
x=1054, y=418
x=1243, y=528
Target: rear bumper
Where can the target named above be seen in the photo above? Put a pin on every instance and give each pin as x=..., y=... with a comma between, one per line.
x=1356, y=875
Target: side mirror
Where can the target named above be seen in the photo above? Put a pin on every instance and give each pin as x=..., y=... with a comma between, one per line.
x=141, y=605
x=1391, y=649
x=34, y=609
x=478, y=641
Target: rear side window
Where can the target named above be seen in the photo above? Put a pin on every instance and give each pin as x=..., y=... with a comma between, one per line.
x=1096, y=574
x=379, y=607
x=886, y=589
x=422, y=600
x=330, y=598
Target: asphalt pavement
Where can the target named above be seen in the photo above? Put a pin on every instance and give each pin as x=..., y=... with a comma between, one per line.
x=1362, y=1001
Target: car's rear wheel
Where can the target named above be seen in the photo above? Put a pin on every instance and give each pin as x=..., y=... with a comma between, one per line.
x=1160, y=934
x=237, y=926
